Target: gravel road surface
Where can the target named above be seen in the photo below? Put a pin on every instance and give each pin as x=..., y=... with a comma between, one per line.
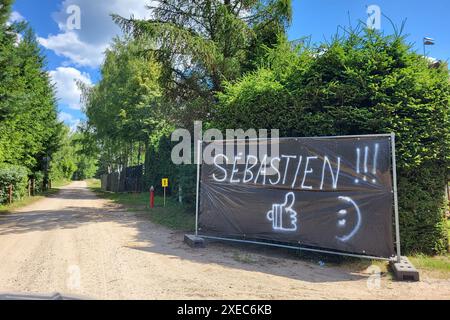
x=76, y=243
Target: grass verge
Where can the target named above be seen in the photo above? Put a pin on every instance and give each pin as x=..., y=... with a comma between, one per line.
x=173, y=215
x=438, y=265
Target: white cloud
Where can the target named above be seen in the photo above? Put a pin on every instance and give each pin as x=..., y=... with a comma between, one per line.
x=67, y=90
x=65, y=117
x=15, y=17
x=85, y=47
x=70, y=46
x=69, y=120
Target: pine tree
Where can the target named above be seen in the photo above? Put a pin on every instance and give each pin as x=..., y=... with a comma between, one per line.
x=28, y=116
x=201, y=44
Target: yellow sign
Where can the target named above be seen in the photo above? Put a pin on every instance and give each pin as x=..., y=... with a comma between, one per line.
x=165, y=182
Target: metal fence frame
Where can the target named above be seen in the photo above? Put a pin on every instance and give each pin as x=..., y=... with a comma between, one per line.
x=394, y=191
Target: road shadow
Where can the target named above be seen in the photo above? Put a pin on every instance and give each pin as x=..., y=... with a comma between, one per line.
x=281, y=262
x=151, y=238
x=45, y=220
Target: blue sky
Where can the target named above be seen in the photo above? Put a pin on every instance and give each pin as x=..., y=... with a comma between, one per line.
x=77, y=54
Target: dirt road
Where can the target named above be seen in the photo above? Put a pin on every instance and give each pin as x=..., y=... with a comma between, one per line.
x=78, y=244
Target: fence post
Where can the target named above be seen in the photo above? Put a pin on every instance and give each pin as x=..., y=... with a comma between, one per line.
x=394, y=183
x=10, y=193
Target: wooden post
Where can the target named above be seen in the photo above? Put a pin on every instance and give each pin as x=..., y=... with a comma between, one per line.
x=29, y=187
x=10, y=193
x=33, y=187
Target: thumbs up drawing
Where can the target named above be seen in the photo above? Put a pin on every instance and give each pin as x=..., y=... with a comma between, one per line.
x=283, y=217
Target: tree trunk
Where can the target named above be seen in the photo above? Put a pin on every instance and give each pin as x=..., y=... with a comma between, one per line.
x=139, y=153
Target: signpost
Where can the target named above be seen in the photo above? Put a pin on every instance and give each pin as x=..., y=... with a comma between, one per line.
x=165, y=184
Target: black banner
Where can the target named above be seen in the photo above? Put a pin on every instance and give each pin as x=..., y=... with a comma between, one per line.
x=329, y=193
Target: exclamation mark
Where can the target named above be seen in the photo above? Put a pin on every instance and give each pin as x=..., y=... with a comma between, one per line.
x=366, y=153
x=358, y=156
x=365, y=168
x=374, y=167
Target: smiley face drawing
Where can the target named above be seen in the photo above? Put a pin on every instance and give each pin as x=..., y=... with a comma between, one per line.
x=342, y=222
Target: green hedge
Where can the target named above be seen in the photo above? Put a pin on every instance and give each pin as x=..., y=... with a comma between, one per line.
x=17, y=177
x=159, y=165
x=187, y=175
x=361, y=83
x=422, y=204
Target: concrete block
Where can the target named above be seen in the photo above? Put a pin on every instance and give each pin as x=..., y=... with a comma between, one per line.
x=404, y=270
x=193, y=241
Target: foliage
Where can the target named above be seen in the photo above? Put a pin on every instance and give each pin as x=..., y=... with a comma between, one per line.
x=64, y=163
x=86, y=168
x=15, y=176
x=38, y=181
x=202, y=43
x=27, y=107
x=73, y=160
x=85, y=154
x=28, y=116
x=123, y=108
x=422, y=206
x=158, y=164
x=165, y=73
x=360, y=83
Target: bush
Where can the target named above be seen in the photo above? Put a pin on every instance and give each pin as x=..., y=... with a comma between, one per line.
x=39, y=178
x=15, y=176
x=422, y=204
x=362, y=83
x=158, y=165
x=255, y=94
x=187, y=174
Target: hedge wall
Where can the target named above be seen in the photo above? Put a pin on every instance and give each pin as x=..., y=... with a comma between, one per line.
x=361, y=83
x=159, y=165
